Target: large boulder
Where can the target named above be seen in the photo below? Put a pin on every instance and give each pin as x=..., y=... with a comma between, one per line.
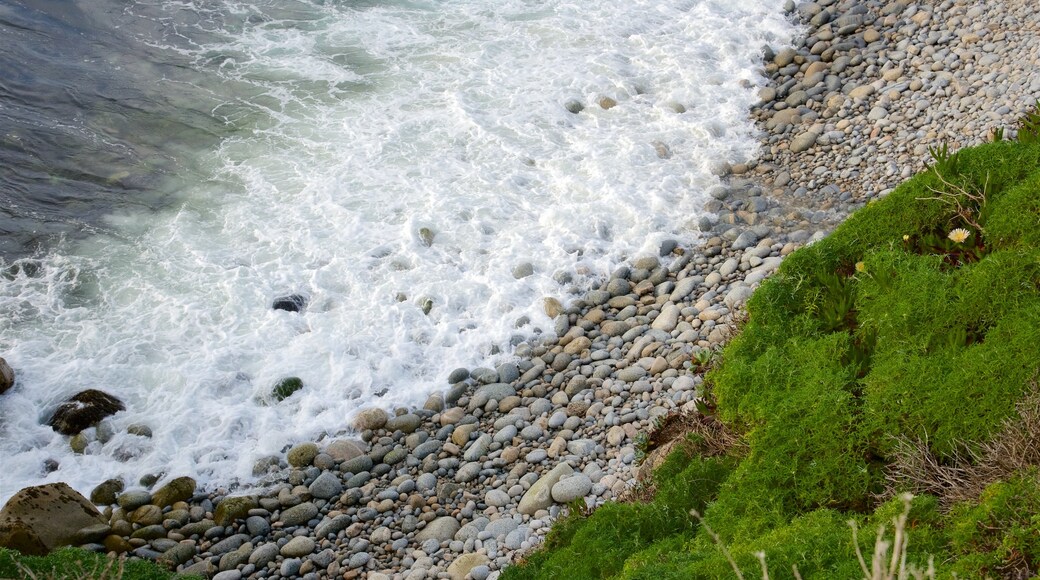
x=82, y=410
x=39, y=519
x=6, y=376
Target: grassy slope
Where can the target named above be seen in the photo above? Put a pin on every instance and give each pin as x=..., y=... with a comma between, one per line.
x=885, y=331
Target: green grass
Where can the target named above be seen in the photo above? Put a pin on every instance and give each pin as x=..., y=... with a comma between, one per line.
x=888, y=330
x=76, y=564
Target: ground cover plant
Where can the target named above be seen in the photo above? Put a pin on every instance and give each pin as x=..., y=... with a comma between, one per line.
x=898, y=355
x=76, y=564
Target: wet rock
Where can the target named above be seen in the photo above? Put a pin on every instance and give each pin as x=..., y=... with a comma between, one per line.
x=105, y=493
x=179, y=489
x=290, y=303
x=343, y=450
x=233, y=508
x=84, y=409
x=6, y=376
x=369, y=419
x=302, y=455
x=286, y=387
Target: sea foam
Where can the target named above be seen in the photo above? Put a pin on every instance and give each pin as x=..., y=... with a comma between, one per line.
x=352, y=127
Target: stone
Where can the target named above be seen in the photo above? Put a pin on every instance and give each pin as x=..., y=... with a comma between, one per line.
x=804, y=141
x=177, y=555
x=146, y=515
x=737, y=295
x=523, y=270
x=179, y=489
x=299, y=514
x=426, y=236
x=326, y=486
x=496, y=498
x=406, y=423
x=667, y=319
x=460, y=568
x=539, y=496
x=40, y=518
x=370, y=419
x=229, y=544
x=286, y=387
x=232, y=508
x=290, y=303
x=458, y=375
x=6, y=376
x=79, y=443
x=139, y=429
x=552, y=307
x=301, y=455
x=105, y=493
x=298, y=547
x=82, y=410
x=332, y=526
x=478, y=448
x=257, y=526
x=263, y=555
x=342, y=450
x=571, y=488
x=631, y=374
x=441, y=529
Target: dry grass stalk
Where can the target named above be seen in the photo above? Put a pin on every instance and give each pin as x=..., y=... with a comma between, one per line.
x=964, y=474
x=891, y=566
x=953, y=195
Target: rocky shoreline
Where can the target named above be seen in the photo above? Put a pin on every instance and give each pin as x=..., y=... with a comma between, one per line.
x=462, y=486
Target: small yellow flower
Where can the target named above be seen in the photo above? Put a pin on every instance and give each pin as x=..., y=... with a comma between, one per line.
x=906, y=238
x=861, y=267
x=959, y=235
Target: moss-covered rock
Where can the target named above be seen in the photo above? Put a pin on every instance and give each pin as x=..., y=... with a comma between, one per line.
x=179, y=489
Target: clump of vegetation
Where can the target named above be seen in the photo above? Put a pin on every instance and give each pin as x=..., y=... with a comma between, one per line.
x=76, y=564
x=896, y=355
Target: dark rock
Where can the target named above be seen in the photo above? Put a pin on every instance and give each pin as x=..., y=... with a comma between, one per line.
x=458, y=375
x=286, y=387
x=106, y=491
x=291, y=303
x=83, y=410
x=574, y=106
x=45, y=517
x=6, y=376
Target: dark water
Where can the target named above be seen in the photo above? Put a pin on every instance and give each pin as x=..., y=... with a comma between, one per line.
x=97, y=111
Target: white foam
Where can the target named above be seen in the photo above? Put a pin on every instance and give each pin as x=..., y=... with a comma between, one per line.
x=356, y=128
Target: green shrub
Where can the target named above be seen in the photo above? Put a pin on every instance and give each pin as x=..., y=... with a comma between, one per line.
x=598, y=545
x=895, y=327
x=1001, y=534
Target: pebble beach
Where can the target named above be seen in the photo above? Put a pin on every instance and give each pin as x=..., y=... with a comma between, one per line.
x=468, y=483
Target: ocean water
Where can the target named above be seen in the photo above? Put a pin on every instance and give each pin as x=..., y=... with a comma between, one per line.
x=171, y=167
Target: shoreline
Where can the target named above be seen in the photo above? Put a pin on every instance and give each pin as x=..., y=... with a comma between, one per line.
x=474, y=479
